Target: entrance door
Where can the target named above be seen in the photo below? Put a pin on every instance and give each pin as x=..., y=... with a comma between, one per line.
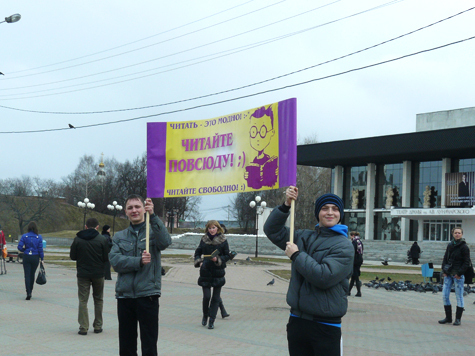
x=439, y=230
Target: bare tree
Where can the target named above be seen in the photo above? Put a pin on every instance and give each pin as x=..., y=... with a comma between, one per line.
x=132, y=177
x=242, y=212
x=27, y=199
x=85, y=182
x=79, y=184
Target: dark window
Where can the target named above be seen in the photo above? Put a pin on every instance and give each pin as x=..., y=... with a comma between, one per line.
x=427, y=176
x=386, y=227
x=389, y=185
x=355, y=188
x=463, y=165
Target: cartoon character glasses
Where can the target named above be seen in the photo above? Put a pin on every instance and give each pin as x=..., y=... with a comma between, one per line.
x=262, y=131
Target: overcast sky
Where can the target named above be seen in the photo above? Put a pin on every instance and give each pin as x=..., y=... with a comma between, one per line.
x=93, y=56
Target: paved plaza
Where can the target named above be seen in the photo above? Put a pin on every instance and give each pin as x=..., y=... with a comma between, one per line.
x=379, y=323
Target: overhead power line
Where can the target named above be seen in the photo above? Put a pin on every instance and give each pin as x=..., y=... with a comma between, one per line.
x=249, y=95
x=168, y=40
x=136, y=41
x=8, y=96
x=245, y=86
x=157, y=58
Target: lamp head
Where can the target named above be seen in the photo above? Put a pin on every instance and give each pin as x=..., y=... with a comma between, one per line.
x=13, y=18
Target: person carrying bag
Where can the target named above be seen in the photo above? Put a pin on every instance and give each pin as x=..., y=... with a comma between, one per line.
x=41, y=278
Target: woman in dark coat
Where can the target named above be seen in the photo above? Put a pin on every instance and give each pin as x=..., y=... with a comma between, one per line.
x=212, y=269
x=357, y=262
x=415, y=252
x=106, y=229
x=454, y=266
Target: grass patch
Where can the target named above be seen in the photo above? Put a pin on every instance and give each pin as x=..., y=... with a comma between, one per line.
x=414, y=278
x=270, y=259
x=68, y=264
x=366, y=276
x=407, y=268
x=282, y=273
x=70, y=234
x=56, y=258
x=178, y=256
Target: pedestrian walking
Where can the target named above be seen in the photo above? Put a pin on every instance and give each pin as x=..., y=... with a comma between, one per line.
x=3, y=252
x=454, y=265
x=322, y=261
x=90, y=251
x=139, y=279
x=415, y=252
x=106, y=232
x=31, y=244
x=210, y=257
x=357, y=262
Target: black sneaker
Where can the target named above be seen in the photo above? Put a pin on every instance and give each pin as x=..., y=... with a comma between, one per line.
x=80, y=332
x=97, y=331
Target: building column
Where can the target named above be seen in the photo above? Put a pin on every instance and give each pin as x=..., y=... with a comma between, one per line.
x=420, y=230
x=446, y=163
x=406, y=198
x=370, y=194
x=338, y=181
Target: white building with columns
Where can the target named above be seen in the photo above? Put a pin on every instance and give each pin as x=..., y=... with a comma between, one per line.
x=407, y=187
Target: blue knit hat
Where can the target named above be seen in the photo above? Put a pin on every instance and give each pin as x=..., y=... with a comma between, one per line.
x=329, y=199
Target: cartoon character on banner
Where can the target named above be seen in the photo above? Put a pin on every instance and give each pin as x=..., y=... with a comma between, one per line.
x=263, y=170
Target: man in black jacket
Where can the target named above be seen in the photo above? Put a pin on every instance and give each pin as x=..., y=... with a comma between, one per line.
x=90, y=250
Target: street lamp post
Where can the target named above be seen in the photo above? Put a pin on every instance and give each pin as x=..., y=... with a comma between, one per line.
x=11, y=19
x=86, y=205
x=114, y=207
x=259, y=211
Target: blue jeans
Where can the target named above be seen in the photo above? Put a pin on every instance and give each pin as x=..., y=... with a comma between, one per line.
x=448, y=282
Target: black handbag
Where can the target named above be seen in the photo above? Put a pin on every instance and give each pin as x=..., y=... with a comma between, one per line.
x=41, y=278
x=469, y=274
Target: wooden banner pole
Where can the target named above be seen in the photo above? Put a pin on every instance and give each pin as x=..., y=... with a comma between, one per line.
x=292, y=213
x=147, y=232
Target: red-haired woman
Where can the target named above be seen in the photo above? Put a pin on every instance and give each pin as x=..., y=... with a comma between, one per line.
x=212, y=269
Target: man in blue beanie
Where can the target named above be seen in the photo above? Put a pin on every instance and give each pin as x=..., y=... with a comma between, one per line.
x=322, y=262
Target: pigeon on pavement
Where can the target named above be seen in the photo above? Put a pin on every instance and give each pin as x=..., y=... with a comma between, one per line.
x=271, y=283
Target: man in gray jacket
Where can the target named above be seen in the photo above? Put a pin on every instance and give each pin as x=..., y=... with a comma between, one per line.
x=322, y=262
x=138, y=285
